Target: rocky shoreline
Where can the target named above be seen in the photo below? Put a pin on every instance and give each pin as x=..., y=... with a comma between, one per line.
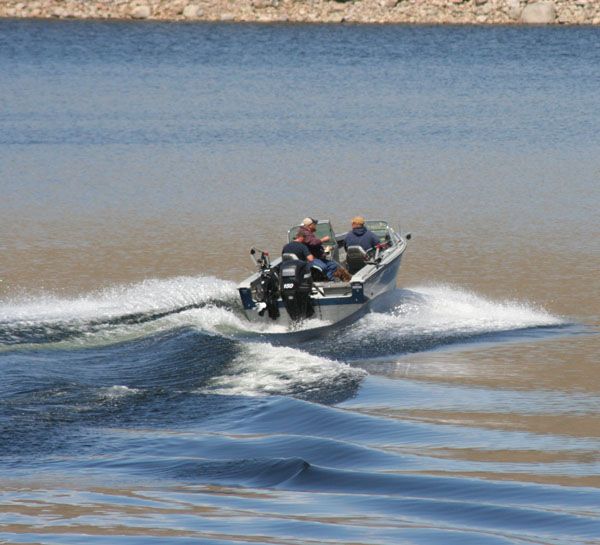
x=479, y=12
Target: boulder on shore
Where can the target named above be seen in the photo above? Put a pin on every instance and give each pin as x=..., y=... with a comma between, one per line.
x=191, y=11
x=141, y=12
x=262, y=4
x=513, y=9
x=540, y=13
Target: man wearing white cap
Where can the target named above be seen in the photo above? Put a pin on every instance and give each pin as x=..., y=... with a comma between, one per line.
x=315, y=245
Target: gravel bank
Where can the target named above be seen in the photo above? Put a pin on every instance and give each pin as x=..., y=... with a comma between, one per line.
x=572, y=12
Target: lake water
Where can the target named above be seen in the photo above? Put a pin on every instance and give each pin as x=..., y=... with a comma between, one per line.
x=138, y=164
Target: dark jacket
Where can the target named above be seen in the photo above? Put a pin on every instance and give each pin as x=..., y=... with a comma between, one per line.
x=295, y=247
x=361, y=236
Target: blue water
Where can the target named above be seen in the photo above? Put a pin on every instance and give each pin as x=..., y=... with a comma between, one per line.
x=167, y=425
x=136, y=403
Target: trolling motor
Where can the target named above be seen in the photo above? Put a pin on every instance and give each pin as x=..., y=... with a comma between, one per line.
x=267, y=289
x=296, y=285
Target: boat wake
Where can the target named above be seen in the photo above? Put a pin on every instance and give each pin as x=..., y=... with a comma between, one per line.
x=431, y=317
x=167, y=353
x=263, y=369
x=406, y=320
x=184, y=323
x=120, y=313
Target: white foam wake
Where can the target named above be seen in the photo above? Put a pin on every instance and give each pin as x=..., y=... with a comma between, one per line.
x=143, y=297
x=440, y=310
x=122, y=312
x=263, y=369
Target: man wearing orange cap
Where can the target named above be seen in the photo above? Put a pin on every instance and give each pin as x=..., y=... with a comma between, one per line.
x=360, y=235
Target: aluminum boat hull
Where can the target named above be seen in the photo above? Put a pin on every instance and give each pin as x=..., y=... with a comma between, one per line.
x=335, y=303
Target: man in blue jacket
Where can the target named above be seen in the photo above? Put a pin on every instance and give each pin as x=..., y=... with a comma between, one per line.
x=360, y=235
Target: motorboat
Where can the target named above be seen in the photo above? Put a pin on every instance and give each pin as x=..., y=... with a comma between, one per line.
x=292, y=293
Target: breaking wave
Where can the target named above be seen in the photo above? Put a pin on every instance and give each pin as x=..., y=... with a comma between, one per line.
x=112, y=314
x=262, y=369
x=443, y=309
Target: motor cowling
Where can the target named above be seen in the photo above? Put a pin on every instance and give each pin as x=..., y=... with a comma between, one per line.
x=295, y=288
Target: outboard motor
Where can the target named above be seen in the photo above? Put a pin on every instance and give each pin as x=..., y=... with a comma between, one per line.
x=296, y=284
x=267, y=289
x=268, y=292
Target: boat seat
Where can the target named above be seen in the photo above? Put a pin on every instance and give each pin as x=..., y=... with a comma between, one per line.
x=317, y=273
x=356, y=258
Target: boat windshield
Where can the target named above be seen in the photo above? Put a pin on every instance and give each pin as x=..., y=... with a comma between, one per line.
x=323, y=229
x=379, y=227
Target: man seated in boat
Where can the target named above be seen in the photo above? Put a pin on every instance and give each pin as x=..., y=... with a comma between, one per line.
x=315, y=245
x=298, y=248
x=361, y=236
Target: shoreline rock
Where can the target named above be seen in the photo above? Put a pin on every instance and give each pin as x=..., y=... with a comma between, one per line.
x=540, y=13
x=457, y=12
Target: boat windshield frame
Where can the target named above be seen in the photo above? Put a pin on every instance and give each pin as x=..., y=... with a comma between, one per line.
x=324, y=228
